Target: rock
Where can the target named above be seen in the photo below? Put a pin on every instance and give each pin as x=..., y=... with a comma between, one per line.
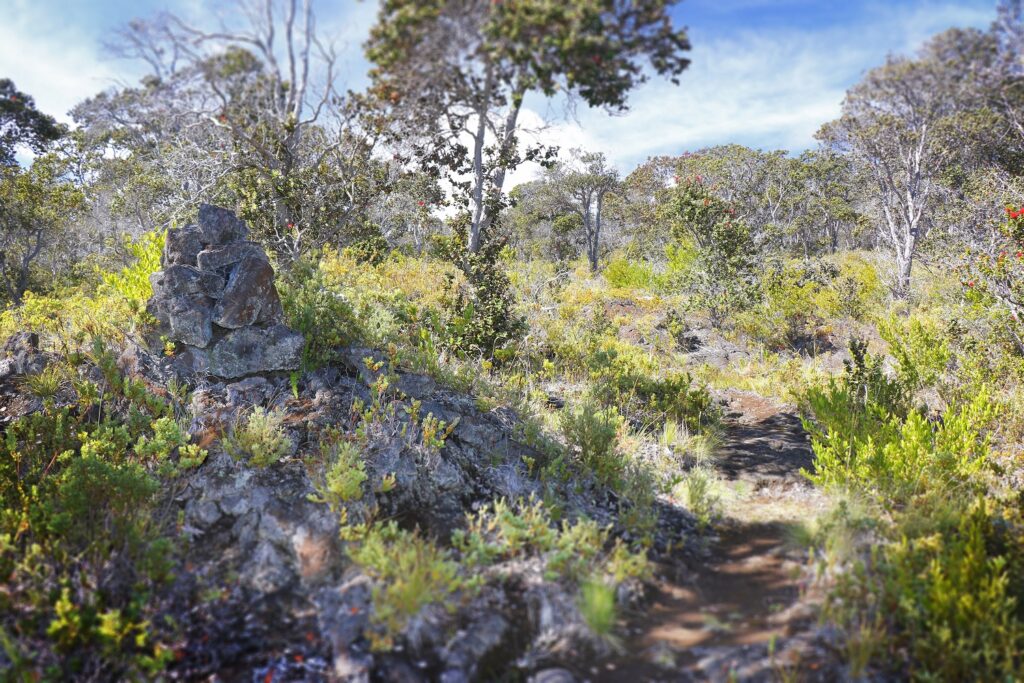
x=220, y=226
x=251, y=350
x=187, y=317
x=249, y=392
x=179, y=279
x=20, y=355
x=182, y=245
x=216, y=296
x=228, y=255
x=250, y=296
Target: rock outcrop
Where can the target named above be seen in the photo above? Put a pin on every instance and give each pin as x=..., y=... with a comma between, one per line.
x=216, y=296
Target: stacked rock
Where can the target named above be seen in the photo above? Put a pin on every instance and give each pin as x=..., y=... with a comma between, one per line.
x=216, y=295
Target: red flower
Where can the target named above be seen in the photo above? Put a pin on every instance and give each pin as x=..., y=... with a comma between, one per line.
x=1019, y=254
x=420, y=202
x=970, y=283
x=291, y=225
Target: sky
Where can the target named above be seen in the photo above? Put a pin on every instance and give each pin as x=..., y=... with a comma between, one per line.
x=764, y=73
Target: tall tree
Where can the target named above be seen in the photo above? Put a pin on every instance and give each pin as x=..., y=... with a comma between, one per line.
x=894, y=123
x=257, y=104
x=22, y=125
x=36, y=206
x=580, y=184
x=452, y=76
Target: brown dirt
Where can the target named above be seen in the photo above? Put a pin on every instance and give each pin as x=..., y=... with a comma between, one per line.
x=742, y=590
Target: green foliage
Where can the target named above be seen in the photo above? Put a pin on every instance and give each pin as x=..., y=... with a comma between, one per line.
x=409, y=574
x=626, y=377
x=597, y=605
x=478, y=315
x=626, y=273
x=344, y=471
x=591, y=433
x=324, y=317
x=698, y=493
x=575, y=551
x=85, y=552
x=260, y=437
x=947, y=598
x=723, y=277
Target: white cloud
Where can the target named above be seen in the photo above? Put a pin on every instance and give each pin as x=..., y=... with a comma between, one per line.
x=52, y=59
x=770, y=90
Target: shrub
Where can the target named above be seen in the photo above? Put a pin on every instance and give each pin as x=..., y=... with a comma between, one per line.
x=597, y=605
x=625, y=273
x=625, y=377
x=409, y=574
x=947, y=597
x=343, y=470
x=324, y=316
x=575, y=550
x=591, y=434
x=698, y=493
x=260, y=436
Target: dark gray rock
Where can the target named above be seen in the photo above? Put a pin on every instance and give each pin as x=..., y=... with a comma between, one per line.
x=182, y=245
x=252, y=350
x=220, y=226
x=216, y=258
x=187, y=318
x=180, y=279
x=250, y=296
x=20, y=355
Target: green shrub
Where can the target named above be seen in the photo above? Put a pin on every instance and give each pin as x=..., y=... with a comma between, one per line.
x=625, y=273
x=949, y=600
x=624, y=377
x=343, y=470
x=323, y=315
x=597, y=605
x=409, y=573
x=260, y=436
x=591, y=433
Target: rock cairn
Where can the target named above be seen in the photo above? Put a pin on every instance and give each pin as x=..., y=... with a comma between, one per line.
x=216, y=295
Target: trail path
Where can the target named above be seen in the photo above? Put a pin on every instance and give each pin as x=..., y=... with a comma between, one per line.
x=715, y=613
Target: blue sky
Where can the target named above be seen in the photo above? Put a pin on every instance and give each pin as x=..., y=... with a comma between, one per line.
x=765, y=73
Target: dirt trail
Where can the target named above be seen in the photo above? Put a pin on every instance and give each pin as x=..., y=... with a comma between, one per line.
x=714, y=612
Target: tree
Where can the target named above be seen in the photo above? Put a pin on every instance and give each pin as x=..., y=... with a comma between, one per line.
x=826, y=201
x=451, y=76
x=22, y=125
x=722, y=278
x=896, y=123
x=581, y=185
x=36, y=206
x=253, y=112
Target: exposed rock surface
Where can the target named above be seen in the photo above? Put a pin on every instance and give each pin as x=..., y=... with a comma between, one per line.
x=216, y=296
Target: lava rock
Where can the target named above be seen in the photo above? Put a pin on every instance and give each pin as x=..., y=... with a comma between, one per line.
x=182, y=245
x=188, y=318
x=250, y=296
x=181, y=279
x=252, y=350
x=216, y=258
x=220, y=226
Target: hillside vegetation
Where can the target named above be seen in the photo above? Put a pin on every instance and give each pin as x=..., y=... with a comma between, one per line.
x=732, y=415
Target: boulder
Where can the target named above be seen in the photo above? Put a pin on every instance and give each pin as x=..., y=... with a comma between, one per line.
x=187, y=318
x=180, y=280
x=252, y=350
x=216, y=258
x=216, y=297
x=219, y=226
x=250, y=296
x=182, y=245
x=20, y=355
